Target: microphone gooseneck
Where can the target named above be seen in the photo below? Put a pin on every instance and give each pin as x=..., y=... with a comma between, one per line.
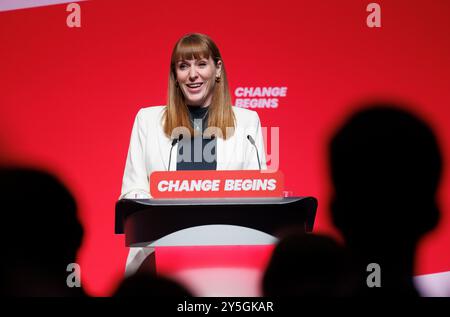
x=252, y=141
x=174, y=141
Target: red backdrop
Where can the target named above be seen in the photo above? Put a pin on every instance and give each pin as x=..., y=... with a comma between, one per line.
x=69, y=95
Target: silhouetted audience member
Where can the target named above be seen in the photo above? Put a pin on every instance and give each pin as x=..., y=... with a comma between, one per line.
x=385, y=168
x=305, y=264
x=40, y=234
x=147, y=284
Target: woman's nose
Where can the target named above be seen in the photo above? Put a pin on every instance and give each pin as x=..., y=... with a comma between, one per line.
x=193, y=73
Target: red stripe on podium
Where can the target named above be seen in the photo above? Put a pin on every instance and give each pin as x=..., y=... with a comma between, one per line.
x=172, y=259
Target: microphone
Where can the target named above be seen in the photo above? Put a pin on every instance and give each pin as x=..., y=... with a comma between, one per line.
x=174, y=141
x=252, y=141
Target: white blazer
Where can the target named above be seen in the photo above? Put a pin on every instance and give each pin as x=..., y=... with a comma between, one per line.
x=150, y=148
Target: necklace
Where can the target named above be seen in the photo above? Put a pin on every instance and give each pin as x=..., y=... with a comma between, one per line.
x=197, y=122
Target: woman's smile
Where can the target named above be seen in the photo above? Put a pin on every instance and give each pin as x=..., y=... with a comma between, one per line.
x=194, y=87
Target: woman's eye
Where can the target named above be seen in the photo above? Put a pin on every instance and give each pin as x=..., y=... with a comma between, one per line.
x=182, y=66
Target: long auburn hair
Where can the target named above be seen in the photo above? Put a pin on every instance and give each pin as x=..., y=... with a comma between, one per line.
x=220, y=113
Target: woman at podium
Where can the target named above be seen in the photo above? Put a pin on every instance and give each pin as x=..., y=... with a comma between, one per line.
x=198, y=128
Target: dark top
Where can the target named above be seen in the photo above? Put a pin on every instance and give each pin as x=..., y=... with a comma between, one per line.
x=197, y=153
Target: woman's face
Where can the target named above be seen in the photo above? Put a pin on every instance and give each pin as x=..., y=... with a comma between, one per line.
x=196, y=79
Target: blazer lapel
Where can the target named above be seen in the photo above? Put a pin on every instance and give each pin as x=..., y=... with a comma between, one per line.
x=225, y=152
x=164, y=150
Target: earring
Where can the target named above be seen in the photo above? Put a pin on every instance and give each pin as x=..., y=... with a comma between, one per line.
x=217, y=79
x=176, y=84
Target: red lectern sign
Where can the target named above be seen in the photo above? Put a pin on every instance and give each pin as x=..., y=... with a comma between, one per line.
x=216, y=184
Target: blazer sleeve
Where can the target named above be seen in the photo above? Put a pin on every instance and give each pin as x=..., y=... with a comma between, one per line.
x=251, y=163
x=135, y=183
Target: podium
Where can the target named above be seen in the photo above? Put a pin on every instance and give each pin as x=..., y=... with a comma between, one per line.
x=214, y=246
x=144, y=221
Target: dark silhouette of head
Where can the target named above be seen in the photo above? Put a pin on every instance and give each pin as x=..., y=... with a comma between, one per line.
x=40, y=234
x=308, y=265
x=147, y=284
x=385, y=168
